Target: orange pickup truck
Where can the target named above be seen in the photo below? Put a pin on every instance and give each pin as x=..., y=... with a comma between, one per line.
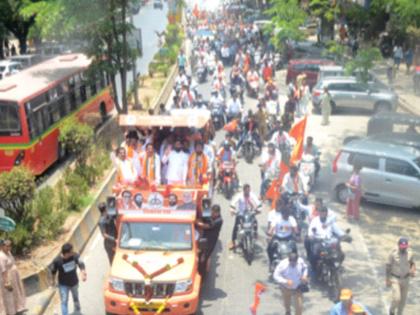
x=157, y=257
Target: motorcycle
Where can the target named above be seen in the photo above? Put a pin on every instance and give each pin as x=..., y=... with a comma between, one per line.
x=329, y=265
x=201, y=74
x=237, y=89
x=249, y=147
x=253, y=88
x=228, y=179
x=282, y=249
x=247, y=234
x=299, y=214
x=307, y=170
x=218, y=115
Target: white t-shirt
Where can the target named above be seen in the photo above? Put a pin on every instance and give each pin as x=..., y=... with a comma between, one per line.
x=284, y=228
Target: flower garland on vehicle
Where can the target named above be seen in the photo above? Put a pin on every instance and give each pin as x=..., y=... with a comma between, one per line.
x=148, y=289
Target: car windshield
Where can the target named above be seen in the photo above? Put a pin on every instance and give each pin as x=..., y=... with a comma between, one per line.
x=156, y=236
x=9, y=119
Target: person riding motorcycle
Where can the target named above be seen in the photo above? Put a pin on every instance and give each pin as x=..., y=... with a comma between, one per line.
x=249, y=125
x=261, y=118
x=282, y=140
x=253, y=81
x=200, y=103
x=293, y=184
x=234, y=107
x=312, y=149
x=237, y=82
x=282, y=226
x=225, y=154
x=322, y=227
x=270, y=90
x=216, y=99
x=186, y=98
x=243, y=201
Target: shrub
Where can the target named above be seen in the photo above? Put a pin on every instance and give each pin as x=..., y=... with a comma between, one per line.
x=77, y=138
x=77, y=188
x=363, y=62
x=49, y=217
x=22, y=239
x=17, y=188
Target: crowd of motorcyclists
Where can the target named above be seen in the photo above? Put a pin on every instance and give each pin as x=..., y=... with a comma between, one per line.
x=235, y=58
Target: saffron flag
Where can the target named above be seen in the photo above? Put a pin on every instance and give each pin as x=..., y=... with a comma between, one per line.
x=298, y=129
x=232, y=126
x=259, y=289
x=273, y=193
x=297, y=152
x=196, y=12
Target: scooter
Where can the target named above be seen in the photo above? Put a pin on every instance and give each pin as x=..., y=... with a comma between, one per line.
x=218, y=115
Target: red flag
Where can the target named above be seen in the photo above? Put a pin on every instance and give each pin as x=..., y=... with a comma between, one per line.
x=297, y=152
x=298, y=129
x=259, y=289
x=196, y=12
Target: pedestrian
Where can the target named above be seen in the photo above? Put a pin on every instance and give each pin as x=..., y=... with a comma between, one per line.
x=211, y=231
x=399, y=268
x=108, y=230
x=398, y=56
x=305, y=97
x=326, y=107
x=390, y=71
x=354, y=186
x=66, y=266
x=12, y=290
x=347, y=306
x=408, y=56
x=182, y=61
x=292, y=275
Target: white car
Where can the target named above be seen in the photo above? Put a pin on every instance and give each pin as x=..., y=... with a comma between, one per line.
x=8, y=68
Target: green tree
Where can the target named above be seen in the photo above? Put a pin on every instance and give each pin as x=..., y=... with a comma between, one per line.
x=14, y=21
x=363, y=62
x=102, y=26
x=287, y=17
x=326, y=12
x=17, y=188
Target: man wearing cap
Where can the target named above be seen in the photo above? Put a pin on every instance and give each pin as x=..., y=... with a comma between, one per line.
x=399, y=268
x=291, y=273
x=347, y=306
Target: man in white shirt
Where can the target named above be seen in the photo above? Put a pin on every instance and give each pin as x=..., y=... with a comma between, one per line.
x=270, y=167
x=321, y=228
x=282, y=140
x=283, y=227
x=177, y=164
x=293, y=183
x=127, y=174
x=234, y=107
x=242, y=202
x=290, y=273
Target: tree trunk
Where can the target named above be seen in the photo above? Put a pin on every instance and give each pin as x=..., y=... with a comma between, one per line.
x=22, y=37
x=123, y=70
x=1, y=48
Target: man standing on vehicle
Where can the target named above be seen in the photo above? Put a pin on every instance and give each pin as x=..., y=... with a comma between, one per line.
x=151, y=166
x=66, y=266
x=198, y=166
x=108, y=230
x=399, y=268
x=242, y=202
x=211, y=231
x=177, y=164
x=292, y=275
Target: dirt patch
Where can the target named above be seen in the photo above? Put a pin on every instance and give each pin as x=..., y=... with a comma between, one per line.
x=148, y=91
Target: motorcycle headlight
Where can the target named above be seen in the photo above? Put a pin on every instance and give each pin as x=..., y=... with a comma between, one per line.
x=116, y=284
x=183, y=286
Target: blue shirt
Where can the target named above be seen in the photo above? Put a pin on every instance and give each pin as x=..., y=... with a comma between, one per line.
x=339, y=309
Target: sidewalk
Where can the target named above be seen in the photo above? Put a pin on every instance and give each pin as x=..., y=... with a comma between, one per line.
x=403, y=86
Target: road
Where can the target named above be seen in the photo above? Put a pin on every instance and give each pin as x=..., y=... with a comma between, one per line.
x=229, y=286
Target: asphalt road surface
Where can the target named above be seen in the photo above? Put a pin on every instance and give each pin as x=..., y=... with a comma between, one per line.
x=229, y=288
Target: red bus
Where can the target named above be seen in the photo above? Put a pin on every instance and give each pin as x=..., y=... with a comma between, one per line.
x=35, y=102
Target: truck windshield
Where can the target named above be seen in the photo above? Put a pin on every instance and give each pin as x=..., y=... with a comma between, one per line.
x=9, y=119
x=156, y=236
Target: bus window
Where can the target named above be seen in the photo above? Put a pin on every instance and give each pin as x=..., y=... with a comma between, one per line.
x=35, y=123
x=72, y=93
x=9, y=119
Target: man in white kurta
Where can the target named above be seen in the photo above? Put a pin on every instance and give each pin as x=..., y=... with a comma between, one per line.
x=177, y=165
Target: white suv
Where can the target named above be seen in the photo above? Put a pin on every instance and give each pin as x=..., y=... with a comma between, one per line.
x=8, y=67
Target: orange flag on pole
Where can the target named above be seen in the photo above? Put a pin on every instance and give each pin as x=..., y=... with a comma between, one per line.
x=273, y=192
x=298, y=129
x=259, y=289
x=297, y=152
x=196, y=12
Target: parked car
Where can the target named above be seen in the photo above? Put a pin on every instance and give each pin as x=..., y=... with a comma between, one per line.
x=158, y=4
x=349, y=92
x=27, y=60
x=390, y=171
x=310, y=67
x=339, y=71
x=8, y=67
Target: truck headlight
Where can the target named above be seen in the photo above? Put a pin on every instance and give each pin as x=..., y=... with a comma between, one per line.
x=116, y=284
x=183, y=286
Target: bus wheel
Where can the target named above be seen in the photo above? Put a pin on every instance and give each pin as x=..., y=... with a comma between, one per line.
x=61, y=154
x=102, y=111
